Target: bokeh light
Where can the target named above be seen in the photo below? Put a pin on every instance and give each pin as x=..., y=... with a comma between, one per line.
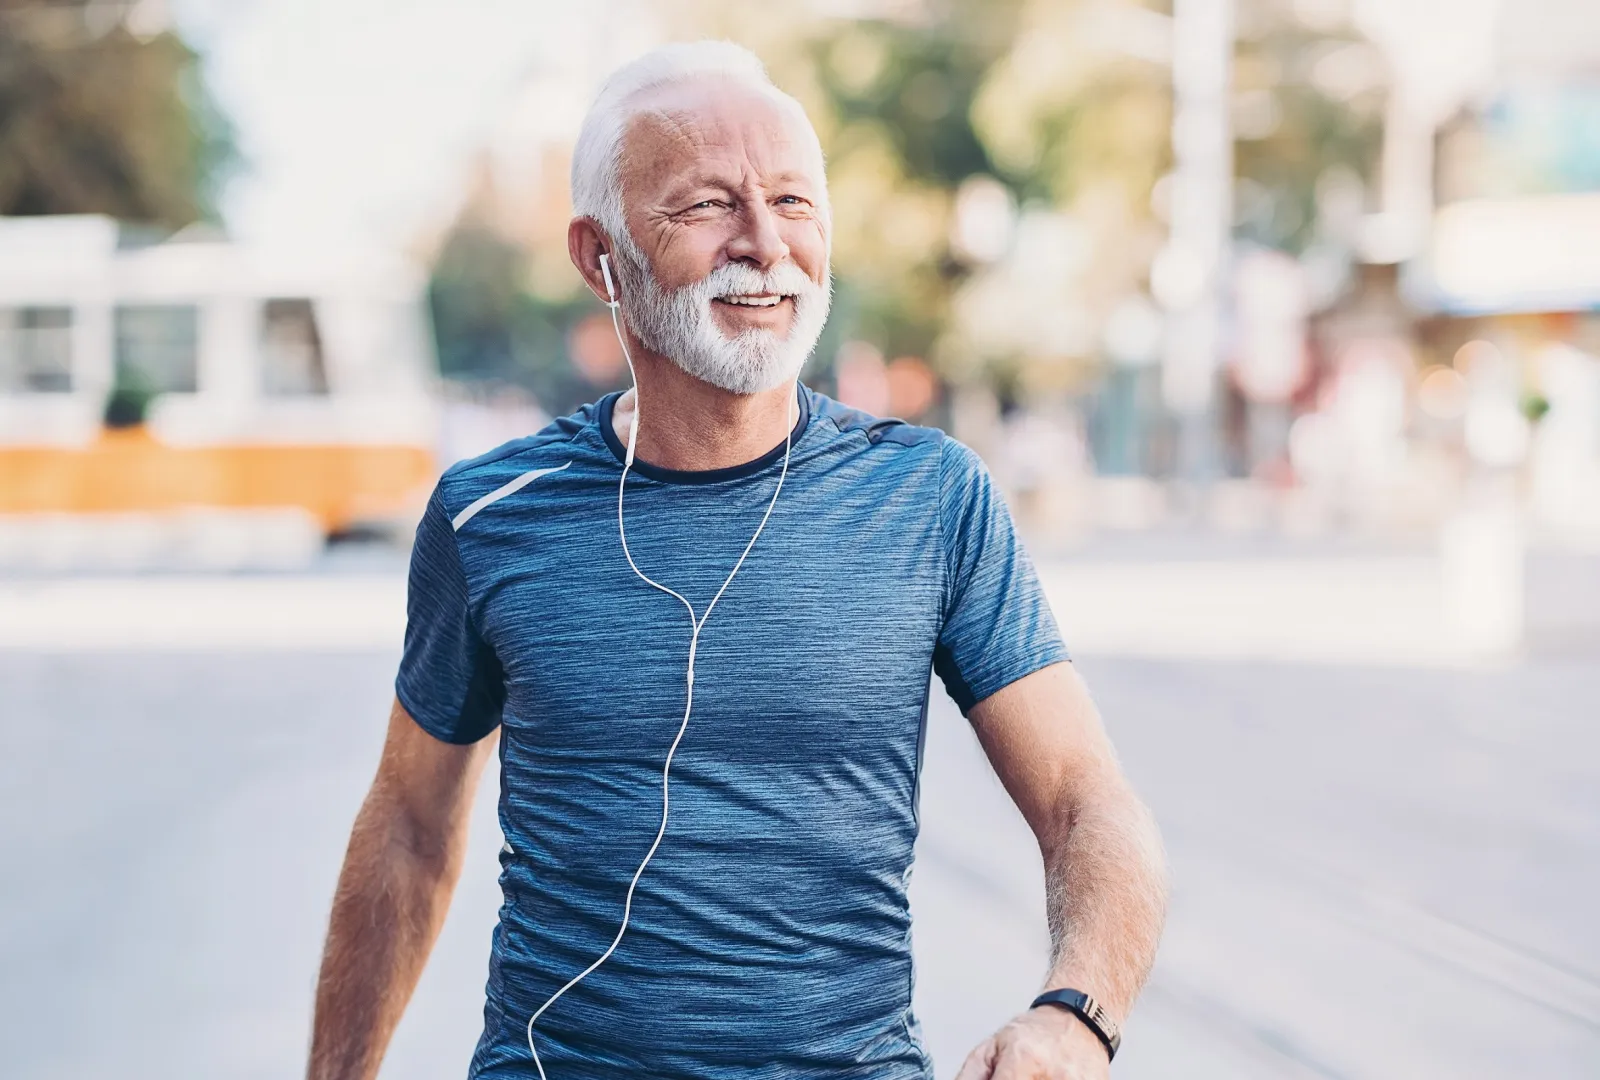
x=1442, y=393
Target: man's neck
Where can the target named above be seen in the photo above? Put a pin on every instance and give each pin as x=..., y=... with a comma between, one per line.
x=691, y=426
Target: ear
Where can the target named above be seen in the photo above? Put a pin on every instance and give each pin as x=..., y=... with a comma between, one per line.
x=586, y=242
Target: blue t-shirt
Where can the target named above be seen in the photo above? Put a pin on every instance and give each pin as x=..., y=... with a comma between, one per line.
x=770, y=936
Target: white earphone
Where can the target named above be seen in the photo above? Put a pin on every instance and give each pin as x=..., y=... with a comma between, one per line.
x=611, y=290
x=697, y=623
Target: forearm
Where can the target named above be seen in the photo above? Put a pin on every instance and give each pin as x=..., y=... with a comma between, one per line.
x=1105, y=873
x=393, y=894
x=1106, y=890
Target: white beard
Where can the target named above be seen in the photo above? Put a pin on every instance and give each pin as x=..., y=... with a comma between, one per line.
x=680, y=325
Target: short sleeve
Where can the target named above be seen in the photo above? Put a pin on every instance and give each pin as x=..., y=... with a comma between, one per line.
x=450, y=680
x=997, y=624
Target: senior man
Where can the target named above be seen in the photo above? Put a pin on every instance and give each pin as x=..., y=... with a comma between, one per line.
x=701, y=618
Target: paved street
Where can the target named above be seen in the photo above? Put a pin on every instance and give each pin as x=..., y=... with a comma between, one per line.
x=1380, y=871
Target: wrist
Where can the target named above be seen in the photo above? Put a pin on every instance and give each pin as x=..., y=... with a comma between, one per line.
x=1086, y=1011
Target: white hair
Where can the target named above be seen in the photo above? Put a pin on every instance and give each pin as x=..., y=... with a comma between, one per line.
x=597, y=156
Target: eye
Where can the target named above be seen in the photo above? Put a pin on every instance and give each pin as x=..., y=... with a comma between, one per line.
x=793, y=200
x=706, y=204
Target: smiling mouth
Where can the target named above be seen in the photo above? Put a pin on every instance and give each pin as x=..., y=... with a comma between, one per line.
x=756, y=300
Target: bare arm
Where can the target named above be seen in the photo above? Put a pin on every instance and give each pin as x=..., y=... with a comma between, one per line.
x=399, y=873
x=1105, y=873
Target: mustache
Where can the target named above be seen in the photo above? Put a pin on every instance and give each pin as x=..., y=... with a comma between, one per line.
x=784, y=279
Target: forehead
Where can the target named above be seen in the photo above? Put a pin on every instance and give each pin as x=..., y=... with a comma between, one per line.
x=715, y=128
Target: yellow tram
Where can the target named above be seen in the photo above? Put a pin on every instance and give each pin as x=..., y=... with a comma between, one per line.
x=139, y=381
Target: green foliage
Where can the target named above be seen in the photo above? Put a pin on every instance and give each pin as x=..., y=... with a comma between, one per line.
x=105, y=122
x=491, y=328
x=910, y=111
x=897, y=128
x=913, y=84
x=1308, y=105
x=1046, y=97
x=473, y=295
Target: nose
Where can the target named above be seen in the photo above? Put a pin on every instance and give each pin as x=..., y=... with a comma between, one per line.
x=758, y=242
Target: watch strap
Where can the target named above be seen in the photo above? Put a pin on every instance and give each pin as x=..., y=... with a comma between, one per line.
x=1088, y=1010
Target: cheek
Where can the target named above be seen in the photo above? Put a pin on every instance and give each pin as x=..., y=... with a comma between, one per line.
x=687, y=255
x=808, y=247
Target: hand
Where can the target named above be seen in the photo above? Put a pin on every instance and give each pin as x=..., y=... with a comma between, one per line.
x=1041, y=1044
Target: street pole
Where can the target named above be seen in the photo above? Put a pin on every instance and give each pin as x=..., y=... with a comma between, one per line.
x=1190, y=275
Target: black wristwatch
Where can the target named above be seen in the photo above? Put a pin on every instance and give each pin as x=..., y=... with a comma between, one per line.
x=1088, y=1010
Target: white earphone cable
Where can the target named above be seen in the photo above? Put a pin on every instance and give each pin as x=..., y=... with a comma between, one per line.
x=696, y=625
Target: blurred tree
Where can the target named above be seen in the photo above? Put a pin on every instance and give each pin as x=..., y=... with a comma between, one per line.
x=492, y=329
x=1307, y=114
x=473, y=295
x=943, y=124
x=95, y=118
x=1067, y=104
x=892, y=101
x=995, y=168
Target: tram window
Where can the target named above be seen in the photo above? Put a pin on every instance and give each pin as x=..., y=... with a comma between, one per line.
x=36, y=349
x=291, y=349
x=158, y=347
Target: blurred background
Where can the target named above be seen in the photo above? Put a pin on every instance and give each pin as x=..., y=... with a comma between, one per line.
x=1278, y=320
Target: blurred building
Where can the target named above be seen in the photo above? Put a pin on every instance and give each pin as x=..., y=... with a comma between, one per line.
x=1440, y=332
x=1508, y=284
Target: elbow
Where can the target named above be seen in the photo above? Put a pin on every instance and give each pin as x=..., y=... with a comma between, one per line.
x=1136, y=823
x=1109, y=828
x=428, y=846
x=1150, y=851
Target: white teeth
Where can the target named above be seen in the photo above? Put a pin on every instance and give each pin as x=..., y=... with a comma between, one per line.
x=751, y=301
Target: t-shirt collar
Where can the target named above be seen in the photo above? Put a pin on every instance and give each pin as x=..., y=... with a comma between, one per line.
x=698, y=476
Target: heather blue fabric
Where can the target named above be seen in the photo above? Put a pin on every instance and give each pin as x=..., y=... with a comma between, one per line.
x=770, y=936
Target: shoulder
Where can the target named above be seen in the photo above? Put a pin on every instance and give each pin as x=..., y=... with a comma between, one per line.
x=554, y=447
x=874, y=431
x=959, y=466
